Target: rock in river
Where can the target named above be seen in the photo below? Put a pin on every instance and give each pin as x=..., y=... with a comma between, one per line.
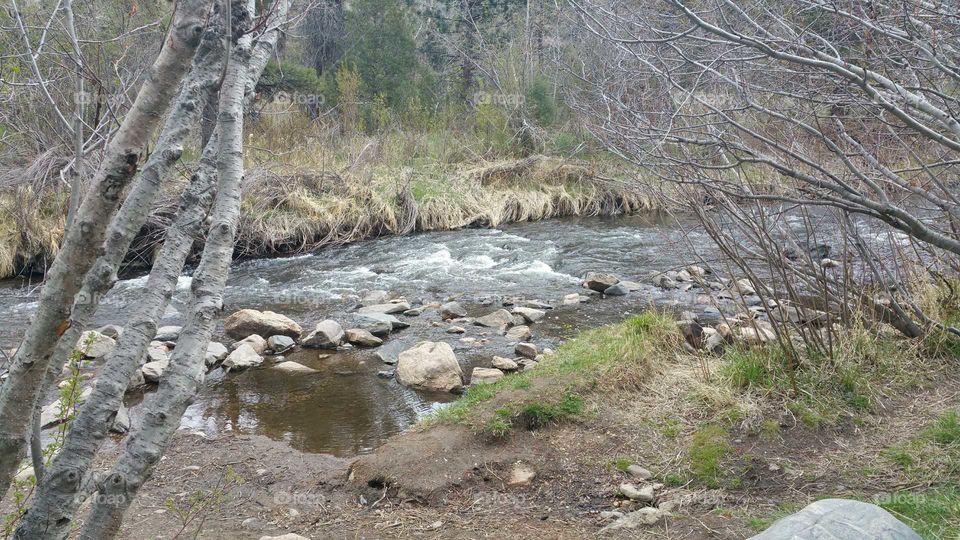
x=243, y=357
x=386, y=309
x=519, y=333
x=327, y=335
x=280, y=344
x=265, y=323
x=526, y=350
x=294, y=368
x=362, y=338
x=598, y=281
x=498, y=319
x=216, y=352
x=430, y=366
x=257, y=342
x=530, y=315
x=452, y=310
x=616, y=290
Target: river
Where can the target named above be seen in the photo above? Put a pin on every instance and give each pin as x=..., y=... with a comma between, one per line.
x=346, y=408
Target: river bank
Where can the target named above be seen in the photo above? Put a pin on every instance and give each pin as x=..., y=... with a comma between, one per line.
x=572, y=447
x=288, y=210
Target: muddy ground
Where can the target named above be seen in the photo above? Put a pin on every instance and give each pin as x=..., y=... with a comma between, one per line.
x=450, y=482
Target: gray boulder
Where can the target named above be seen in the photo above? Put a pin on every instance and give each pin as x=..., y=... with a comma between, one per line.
x=839, y=519
x=293, y=367
x=519, y=333
x=112, y=331
x=481, y=375
x=383, y=318
x=386, y=309
x=452, y=310
x=598, y=281
x=616, y=290
x=498, y=319
x=526, y=350
x=265, y=323
x=168, y=333
x=216, y=353
x=362, y=338
x=280, y=344
x=255, y=340
x=430, y=366
x=530, y=315
x=93, y=344
x=152, y=371
x=327, y=335
x=242, y=357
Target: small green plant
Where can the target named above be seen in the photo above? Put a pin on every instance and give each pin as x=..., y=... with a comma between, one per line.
x=946, y=430
x=769, y=429
x=541, y=414
x=708, y=447
x=671, y=427
x=900, y=456
x=674, y=480
x=500, y=425
x=621, y=463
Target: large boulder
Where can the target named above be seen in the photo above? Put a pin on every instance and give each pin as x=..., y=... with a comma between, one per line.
x=362, y=338
x=430, y=366
x=243, y=357
x=327, y=335
x=599, y=281
x=264, y=323
x=452, y=310
x=93, y=344
x=839, y=519
x=498, y=319
x=519, y=333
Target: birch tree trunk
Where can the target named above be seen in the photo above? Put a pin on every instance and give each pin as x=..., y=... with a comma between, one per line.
x=83, y=239
x=62, y=491
x=164, y=409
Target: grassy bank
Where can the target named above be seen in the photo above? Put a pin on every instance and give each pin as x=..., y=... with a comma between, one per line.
x=733, y=445
x=308, y=186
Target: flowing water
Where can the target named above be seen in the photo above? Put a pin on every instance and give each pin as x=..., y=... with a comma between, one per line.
x=345, y=408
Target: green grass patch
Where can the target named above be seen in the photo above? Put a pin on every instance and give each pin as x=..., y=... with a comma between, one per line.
x=946, y=430
x=616, y=354
x=933, y=513
x=708, y=447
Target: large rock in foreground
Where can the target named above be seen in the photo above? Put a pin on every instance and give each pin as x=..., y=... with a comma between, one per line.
x=264, y=323
x=839, y=519
x=327, y=335
x=430, y=366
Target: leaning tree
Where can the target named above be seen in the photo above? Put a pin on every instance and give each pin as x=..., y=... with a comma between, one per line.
x=211, y=47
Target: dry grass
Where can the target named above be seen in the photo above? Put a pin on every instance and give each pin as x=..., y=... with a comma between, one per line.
x=308, y=186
